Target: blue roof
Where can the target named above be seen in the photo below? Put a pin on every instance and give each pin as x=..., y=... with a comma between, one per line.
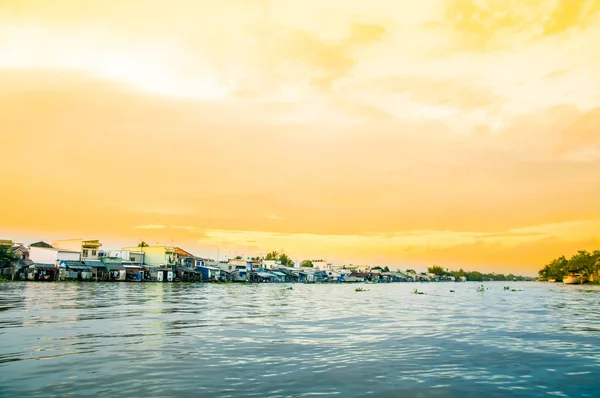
x=79, y=267
x=209, y=267
x=42, y=265
x=93, y=263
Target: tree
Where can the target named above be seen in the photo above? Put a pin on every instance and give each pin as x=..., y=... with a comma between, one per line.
x=238, y=258
x=285, y=260
x=306, y=264
x=272, y=256
x=556, y=269
x=386, y=269
x=436, y=270
x=583, y=262
x=6, y=256
x=410, y=271
x=143, y=244
x=474, y=276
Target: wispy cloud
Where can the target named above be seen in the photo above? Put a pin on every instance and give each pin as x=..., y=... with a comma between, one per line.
x=150, y=227
x=423, y=132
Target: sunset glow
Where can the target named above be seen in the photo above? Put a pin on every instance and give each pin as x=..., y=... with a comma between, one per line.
x=392, y=133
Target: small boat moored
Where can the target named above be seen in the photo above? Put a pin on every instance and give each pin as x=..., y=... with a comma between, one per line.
x=573, y=279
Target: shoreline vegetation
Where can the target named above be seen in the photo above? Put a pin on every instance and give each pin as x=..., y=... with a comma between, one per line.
x=476, y=276
x=583, y=263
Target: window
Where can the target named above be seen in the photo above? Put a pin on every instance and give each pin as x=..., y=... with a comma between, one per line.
x=230, y=267
x=93, y=252
x=85, y=252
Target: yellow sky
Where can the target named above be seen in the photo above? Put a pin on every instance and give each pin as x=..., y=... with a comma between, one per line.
x=395, y=133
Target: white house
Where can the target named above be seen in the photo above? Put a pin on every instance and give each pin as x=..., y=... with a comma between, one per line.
x=161, y=256
x=128, y=256
x=89, y=249
x=270, y=264
x=322, y=265
x=52, y=255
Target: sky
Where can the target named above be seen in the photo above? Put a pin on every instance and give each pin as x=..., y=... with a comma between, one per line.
x=407, y=134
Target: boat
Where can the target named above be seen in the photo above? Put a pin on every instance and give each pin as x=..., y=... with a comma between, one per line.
x=572, y=279
x=551, y=280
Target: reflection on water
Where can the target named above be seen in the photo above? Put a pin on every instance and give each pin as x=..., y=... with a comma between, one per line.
x=184, y=340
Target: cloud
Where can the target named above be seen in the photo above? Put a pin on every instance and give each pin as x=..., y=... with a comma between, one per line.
x=491, y=24
x=150, y=227
x=382, y=128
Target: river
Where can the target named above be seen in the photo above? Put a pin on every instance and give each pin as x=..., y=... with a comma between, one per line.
x=266, y=340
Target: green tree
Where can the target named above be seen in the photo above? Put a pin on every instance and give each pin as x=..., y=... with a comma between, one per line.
x=436, y=270
x=238, y=258
x=583, y=262
x=474, y=276
x=285, y=260
x=386, y=269
x=306, y=264
x=6, y=256
x=272, y=256
x=556, y=269
x=143, y=244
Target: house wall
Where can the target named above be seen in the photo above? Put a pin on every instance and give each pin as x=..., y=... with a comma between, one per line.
x=68, y=256
x=321, y=265
x=88, y=252
x=154, y=256
x=42, y=255
x=50, y=256
x=224, y=266
x=269, y=264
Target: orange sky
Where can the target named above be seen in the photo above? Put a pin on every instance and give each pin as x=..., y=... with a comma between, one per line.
x=392, y=133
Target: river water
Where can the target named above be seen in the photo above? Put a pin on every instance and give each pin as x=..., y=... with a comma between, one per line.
x=234, y=340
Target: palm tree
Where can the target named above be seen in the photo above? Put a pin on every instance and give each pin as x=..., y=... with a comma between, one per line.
x=274, y=255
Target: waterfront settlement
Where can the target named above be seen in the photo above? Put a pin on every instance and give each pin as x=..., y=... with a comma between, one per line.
x=86, y=260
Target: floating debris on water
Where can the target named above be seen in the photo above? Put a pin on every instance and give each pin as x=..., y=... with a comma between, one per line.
x=452, y=291
x=360, y=289
x=417, y=292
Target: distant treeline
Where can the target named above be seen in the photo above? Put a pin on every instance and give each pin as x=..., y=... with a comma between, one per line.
x=476, y=275
x=583, y=262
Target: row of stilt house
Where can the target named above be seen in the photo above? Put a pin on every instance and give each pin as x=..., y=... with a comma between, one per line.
x=81, y=260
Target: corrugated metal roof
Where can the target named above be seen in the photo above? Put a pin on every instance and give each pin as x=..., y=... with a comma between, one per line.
x=79, y=267
x=114, y=267
x=43, y=265
x=277, y=273
x=96, y=264
x=264, y=275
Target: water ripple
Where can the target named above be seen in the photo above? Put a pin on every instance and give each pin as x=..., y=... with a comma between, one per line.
x=184, y=340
